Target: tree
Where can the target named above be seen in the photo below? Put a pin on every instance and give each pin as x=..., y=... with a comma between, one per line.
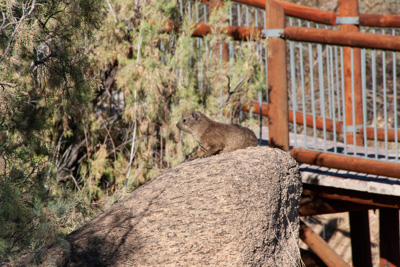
x=45, y=94
x=88, y=115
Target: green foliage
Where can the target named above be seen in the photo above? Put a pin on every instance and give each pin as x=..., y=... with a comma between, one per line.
x=45, y=94
x=165, y=74
x=88, y=115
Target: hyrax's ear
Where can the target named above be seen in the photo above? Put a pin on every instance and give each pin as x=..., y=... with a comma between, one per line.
x=196, y=116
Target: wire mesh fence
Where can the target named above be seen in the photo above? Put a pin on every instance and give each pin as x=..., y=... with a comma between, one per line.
x=319, y=119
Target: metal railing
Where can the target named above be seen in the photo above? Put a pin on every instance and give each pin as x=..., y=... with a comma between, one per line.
x=325, y=115
x=317, y=95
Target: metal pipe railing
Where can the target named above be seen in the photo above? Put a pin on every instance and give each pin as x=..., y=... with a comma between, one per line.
x=334, y=126
x=346, y=163
x=316, y=82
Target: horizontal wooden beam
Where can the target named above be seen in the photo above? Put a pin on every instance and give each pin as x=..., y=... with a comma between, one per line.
x=308, y=13
x=363, y=198
x=334, y=37
x=319, y=121
x=319, y=124
x=297, y=11
x=320, y=247
x=326, y=17
x=380, y=134
x=311, y=205
x=256, y=108
x=236, y=32
x=342, y=162
x=302, y=34
x=373, y=20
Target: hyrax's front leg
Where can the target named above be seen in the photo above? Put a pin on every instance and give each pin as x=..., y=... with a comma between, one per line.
x=207, y=150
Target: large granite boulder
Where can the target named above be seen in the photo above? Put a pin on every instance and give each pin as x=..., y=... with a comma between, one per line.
x=234, y=209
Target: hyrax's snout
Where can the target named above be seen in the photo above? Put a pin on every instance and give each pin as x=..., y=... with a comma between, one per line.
x=179, y=125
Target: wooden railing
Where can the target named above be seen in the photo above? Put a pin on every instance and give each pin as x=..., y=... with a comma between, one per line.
x=349, y=37
x=279, y=115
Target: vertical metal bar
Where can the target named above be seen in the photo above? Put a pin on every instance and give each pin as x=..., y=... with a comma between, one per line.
x=247, y=16
x=395, y=102
x=230, y=15
x=311, y=64
x=321, y=90
x=353, y=112
x=259, y=53
x=373, y=62
x=385, y=107
x=191, y=39
x=328, y=77
x=238, y=15
x=205, y=13
x=220, y=67
x=329, y=74
x=181, y=7
x=197, y=13
x=256, y=17
x=337, y=82
x=333, y=100
x=266, y=61
x=191, y=52
x=162, y=50
x=190, y=9
x=266, y=74
x=198, y=51
x=293, y=83
x=364, y=97
x=265, y=19
x=303, y=92
x=344, y=106
x=260, y=114
x=200, y=48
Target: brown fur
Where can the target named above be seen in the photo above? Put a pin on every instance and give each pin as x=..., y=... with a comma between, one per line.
x=215, y=137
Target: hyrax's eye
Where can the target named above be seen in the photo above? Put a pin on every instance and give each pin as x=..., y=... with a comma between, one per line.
x=184, y=120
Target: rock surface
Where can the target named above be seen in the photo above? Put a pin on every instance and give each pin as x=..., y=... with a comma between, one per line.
x=234, y=209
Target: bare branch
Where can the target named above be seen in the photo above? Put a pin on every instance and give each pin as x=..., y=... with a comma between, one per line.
x=43, y=60
x=231, y=91
x=4, y=22
x=3, y=85
x=133, y=151
x=31, y=6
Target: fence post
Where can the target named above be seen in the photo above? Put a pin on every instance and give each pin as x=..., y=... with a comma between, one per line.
x=278, y=122
x=349, y=8
x=389, y=237
x=360, y=238
x=215, y=4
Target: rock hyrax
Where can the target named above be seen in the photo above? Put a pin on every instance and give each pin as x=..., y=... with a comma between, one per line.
x=215, y=137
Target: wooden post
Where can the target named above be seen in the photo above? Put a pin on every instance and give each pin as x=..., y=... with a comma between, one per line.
x=349, y=8
x=320, y=247
x=360, y=238
x=278, y=122
x=389, y=235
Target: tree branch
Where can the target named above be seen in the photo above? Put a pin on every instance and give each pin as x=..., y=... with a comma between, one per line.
x=231, y=91
x=31, y=6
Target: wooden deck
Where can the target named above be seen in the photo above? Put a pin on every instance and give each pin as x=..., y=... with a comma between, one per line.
x=322, y=176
